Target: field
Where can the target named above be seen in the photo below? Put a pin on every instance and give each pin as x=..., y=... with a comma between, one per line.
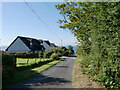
x=24, y=62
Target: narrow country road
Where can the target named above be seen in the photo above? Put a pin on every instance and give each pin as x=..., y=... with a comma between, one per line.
x=59, y=76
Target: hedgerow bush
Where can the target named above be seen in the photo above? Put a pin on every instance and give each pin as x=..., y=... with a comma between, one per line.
x=48, y=54
x=97, y=29
x=54, y=56
x=58, y=50
x=41, y=55
x=26, y=55
x=8, y=60
x=66, y=53
x=8, y=66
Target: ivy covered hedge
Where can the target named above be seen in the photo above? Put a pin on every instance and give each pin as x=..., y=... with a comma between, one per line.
x=8, y=67
x=97, y=29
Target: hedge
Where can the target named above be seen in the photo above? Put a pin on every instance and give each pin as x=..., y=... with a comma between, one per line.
x=8, y=67
x=96, y=25
x=54, y=56
x=26, y=55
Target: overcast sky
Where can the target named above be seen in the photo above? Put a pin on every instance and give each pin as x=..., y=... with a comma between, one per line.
x=19, y=20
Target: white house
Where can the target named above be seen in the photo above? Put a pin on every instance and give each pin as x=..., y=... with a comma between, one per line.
x=26, y=44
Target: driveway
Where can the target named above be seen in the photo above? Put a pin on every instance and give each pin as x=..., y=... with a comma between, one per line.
x=59, y=76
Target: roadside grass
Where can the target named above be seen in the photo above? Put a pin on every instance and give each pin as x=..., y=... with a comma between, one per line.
x=74, y=76
x=29, y=73
x=32, y=64
x=75, y=79
x=77, y=62
x=81, y=79
x=23, y=61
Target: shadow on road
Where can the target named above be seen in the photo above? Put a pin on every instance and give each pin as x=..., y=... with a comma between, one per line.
x=61, y=66
x=51, y=81
x=38, y=81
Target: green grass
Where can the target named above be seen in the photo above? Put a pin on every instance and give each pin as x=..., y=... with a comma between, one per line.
x=31, y=64
x=75, y=79
x=26, y=74
x=23, y=62
x=77, y=62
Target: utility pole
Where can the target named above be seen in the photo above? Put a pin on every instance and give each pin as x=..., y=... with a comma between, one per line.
x=61, y=43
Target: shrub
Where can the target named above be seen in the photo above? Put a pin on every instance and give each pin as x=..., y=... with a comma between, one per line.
x=8, y=60
x=41, y=55
x=58, y=50
x=64, y=48
x=71, y=51
x=48, y=54
x=26, y=55
x=20, y=55
x=8, y=69
x=54, y=56
x=59, y=54
x=66, y=53
x=4, y=73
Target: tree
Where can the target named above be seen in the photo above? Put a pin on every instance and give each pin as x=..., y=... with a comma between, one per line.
x=97, y=29
x=70, y=49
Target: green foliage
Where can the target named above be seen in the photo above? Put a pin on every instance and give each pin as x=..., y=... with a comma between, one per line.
x=26, y=55
x=8, y=60
x=8, y=67
x=10, y=71
x=97, y=29
x=57, y=50
x=33, y=65
x=54, y=56
x=70, y=49
x=64, y=48
x=48, y=54
x=41, y=54
x=66, y=53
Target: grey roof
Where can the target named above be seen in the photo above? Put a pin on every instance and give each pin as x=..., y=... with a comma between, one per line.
x=47, y=42
x=36, y=44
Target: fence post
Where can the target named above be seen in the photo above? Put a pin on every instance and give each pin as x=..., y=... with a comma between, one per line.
x=27, y=60
x=15, y=61
x=35, y=60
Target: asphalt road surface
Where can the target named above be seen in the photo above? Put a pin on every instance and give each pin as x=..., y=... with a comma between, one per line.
x=59, y=76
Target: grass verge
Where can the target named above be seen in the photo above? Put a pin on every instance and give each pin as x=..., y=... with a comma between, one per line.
x=26, y=74
x=23, y=61
x=82, y=80
x=33, y=65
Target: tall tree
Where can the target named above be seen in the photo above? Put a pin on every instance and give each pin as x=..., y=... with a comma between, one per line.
x=97, y=29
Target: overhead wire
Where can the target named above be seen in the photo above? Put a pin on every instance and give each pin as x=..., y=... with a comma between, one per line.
x=34, y=12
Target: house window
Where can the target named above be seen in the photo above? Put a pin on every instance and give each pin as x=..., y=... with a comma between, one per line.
x=31, y=44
